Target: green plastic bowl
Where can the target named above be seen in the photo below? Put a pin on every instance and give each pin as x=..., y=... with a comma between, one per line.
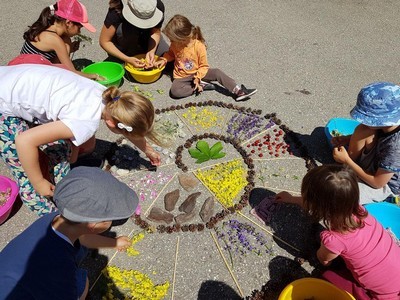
x=112, y=71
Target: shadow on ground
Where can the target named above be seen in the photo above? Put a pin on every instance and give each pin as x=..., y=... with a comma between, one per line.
x=216, y=290
x=316, y=144
x=302, y=240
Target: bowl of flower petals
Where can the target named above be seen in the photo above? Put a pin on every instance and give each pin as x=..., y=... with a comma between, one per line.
x=8, y=194
x=110, y=73
x=144, y=75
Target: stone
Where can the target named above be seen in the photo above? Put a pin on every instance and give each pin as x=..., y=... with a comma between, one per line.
x=184, y=218
x=170, y=200
x=207, y=209
x=122, y=172
x=189, y=204
x=188, y=182
x=158, y=215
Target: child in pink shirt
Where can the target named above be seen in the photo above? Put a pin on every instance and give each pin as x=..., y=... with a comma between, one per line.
x=330, y=194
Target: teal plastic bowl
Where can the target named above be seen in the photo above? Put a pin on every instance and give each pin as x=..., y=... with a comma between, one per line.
x=340, y=125
x=387, y=214
x=113, y=72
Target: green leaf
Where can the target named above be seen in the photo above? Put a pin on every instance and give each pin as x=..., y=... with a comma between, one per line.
x=218, y=155
x=195, y=153
x=217, y=147
x=203, y=147
x=201, y=160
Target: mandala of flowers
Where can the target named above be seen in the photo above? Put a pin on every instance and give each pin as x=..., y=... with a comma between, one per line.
x=213, y=155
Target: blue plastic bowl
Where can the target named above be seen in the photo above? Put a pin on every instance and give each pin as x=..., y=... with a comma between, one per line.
x=341, y=125
x=387, y=214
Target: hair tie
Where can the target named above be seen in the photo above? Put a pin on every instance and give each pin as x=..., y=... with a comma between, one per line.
x=126, y=127
x=116, y=98
x=52, y=9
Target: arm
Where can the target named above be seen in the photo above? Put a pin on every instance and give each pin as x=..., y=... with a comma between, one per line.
x=361, y=138
x=106, y=43
x=95, y=241
x=167, y=57
x=286, y=197
x=27, y=144
x=144, y=146
x=59, y=46
x=377, y=180
x=325, y=256
x=202, y=65
x=154, y=40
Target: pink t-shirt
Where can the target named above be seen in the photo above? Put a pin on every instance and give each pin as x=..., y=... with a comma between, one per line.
x=371, y=255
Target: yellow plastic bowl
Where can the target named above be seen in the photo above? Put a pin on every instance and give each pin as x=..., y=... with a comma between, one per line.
x=144, y=76
x=313, y=288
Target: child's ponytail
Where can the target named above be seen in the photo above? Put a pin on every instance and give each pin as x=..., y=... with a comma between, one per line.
x=45, y=20
x=131, y=112
x=197, y=34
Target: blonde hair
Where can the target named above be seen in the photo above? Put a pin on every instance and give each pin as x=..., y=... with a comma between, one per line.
x=179, y=29
x=133, y=110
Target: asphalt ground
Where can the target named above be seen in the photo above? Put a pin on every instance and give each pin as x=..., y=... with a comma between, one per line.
x=308, y=60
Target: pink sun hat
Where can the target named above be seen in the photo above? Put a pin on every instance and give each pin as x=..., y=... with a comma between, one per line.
x=74, y=11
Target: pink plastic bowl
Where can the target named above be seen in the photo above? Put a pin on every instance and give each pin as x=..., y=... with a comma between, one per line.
x=5, y=209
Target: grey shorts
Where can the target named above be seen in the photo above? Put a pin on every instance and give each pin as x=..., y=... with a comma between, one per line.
x=369, y=194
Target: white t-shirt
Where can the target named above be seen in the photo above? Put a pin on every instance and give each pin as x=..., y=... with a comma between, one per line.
x=43, y=94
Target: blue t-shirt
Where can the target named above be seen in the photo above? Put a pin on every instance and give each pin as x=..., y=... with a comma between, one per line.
x=38, y=264
x=388, y=157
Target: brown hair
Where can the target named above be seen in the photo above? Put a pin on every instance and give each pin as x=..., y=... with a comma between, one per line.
x=45, y=20
x=179, y=29
x=116, y=4
x=331, y=195
x=131, y=109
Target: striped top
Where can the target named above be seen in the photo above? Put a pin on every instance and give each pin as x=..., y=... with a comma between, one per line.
x=28, y=48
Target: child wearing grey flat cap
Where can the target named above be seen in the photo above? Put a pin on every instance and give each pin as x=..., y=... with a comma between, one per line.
x=42, y=262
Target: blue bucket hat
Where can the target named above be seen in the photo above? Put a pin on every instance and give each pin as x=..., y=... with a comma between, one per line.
x=378, y=105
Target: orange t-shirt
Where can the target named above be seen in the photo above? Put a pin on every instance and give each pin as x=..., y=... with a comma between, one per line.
x=190, y=59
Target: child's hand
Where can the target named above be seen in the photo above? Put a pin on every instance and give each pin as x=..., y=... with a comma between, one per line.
x=340, y=155
x=75, y=46
x=283, y=197
x=161, y=62
x=123, y=243
x=342, y=140
x=154, y=157
x=197, y=87
x=44, y=188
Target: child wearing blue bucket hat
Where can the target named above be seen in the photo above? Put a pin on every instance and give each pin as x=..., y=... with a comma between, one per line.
x=374, y=148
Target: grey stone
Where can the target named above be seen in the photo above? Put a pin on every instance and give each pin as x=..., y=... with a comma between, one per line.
x=207, y=209
x=158, y=215
x=170, y=200
x=188, y=182
x=189, y=204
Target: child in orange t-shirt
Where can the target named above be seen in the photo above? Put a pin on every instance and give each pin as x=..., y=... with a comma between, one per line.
x=191, y=70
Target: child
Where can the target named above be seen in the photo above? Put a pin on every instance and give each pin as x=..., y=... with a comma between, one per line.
x=42, y=262
x=70, y=108
x=374, y=148
x=50, y=36
x=133, y=28
x=191, y=70
x=330, y=194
